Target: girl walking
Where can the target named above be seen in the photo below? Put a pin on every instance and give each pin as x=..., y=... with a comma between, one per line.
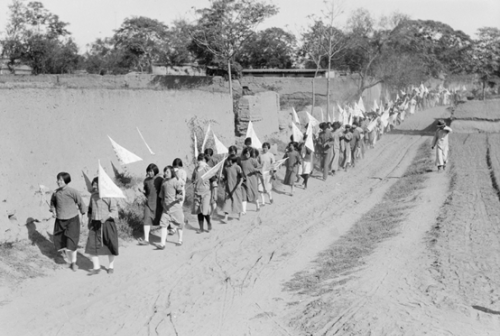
x=251, y=170
x=292, y=165
x=103, y=235
x=202, y=194
x=233, y=177
x=152, y=208
x=172, y=196
x=64, y=205
x=267, y=160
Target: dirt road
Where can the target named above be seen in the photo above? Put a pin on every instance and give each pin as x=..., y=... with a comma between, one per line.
x=230, y=281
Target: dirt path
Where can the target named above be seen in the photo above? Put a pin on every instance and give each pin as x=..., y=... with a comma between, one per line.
x=230, y=282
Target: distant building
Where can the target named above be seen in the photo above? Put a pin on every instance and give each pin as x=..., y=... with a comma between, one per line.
x=290, y=73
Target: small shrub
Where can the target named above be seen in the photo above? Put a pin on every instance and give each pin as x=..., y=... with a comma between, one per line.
x=130, y=218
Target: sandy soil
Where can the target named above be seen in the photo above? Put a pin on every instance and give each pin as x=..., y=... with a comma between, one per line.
x=230, y=282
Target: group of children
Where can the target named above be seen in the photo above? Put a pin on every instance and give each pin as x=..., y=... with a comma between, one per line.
x=245, y=178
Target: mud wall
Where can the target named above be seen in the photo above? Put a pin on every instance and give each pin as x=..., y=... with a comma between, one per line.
x=294, y=90
x=45, y=131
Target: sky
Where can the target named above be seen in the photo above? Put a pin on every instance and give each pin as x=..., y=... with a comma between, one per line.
x=91, y=19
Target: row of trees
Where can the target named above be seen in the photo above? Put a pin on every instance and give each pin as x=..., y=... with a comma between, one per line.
x=396, y=49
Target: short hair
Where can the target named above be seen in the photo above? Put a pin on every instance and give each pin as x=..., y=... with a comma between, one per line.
x=329, y=124
x=254, y=152
x=201, y=157
x=322, y=125
x=246, y=151
x=266, y=144
x=65, y=177
x=233, y=158
x=233, y=149
x=95, y=180
x=177, y=163
x=295, y=145
x=152, y=167
x=172, y=171
x=248, y=141
x=336, y=125
x=209, y=151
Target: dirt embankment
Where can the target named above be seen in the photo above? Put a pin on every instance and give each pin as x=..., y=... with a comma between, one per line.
x=477, y=117
x=46, y=131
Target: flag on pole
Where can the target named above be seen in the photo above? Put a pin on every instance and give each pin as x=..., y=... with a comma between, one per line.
x=219, y=146
x=295, y=116
x=309, y=140
x=213, y=171
x=375, y=106
x=311, y=120
x=296, y=133
x=322, y=115
x=349, y=122
x=251, y=134
x=361, y=105
x=277, y=164
x=107, y=188
x=384, y=119
x=205, y=139
x=149, y=149
x=195, y=147
x=124, y=156
x=397, y=96
x=372, y=125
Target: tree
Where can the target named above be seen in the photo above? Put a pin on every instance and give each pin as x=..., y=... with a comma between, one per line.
x=37, y=37
x=225, y=27
x=270, y=48
x=323, y=43
x=144, y=38
x=484, y=58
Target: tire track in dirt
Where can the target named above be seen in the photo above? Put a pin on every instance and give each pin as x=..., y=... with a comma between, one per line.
x=465, y=241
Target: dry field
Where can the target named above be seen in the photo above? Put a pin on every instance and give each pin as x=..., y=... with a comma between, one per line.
x=388, y=248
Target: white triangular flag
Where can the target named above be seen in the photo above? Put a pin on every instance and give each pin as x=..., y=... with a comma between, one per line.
x=311, y=120
x=309, y=140
x=251, y=134
x=205, y=139
x=195, y=147
x=361, y=105
x=296, y=133
x=397, y=96
x=219, y=146
x=375, y=106
x=124, y=156
x=322, y=115
x=107, y=188
x=149, y=149
x=277, y=164
x=295, y=116
x=350, y=119
x=333, y=114
x=213, y=171
x=372, y=125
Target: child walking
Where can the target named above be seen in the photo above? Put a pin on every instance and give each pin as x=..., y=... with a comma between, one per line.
x=172, y=196
x=103, y=235
x=64, y=205
x=267, y=160
x=202, y=194
x=251, y=169
x=152, y=208
x=233, y=177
